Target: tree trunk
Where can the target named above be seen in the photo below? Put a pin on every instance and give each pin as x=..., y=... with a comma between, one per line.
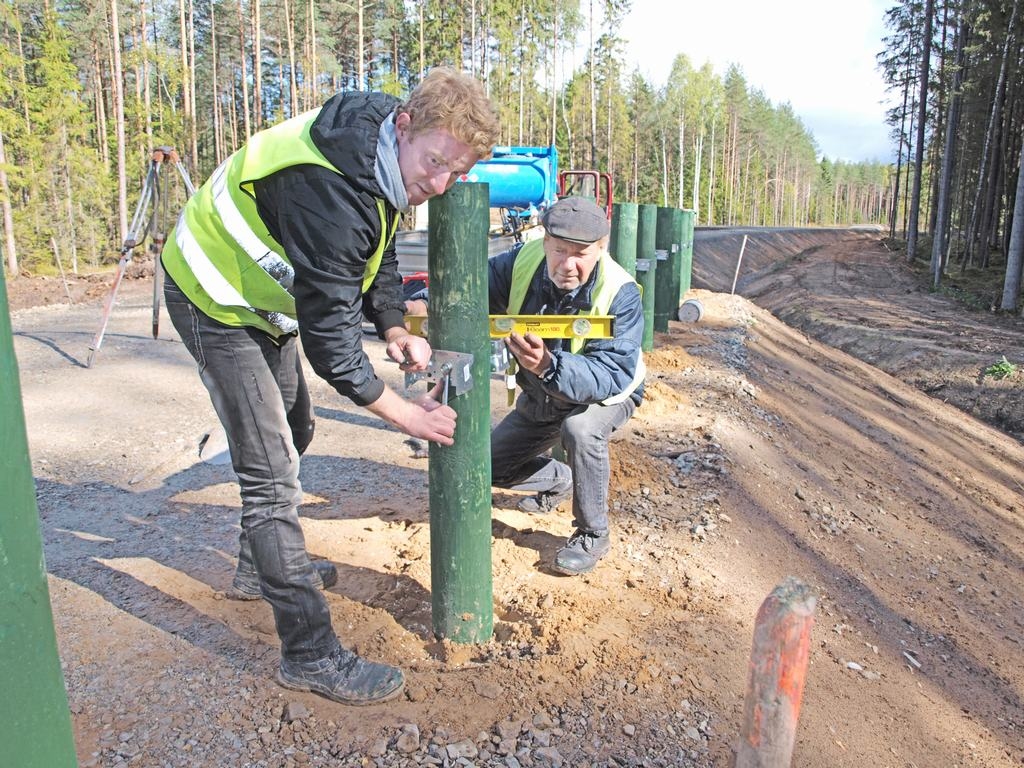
x=943, y=89
x=521, y=79
x=360, y=49
x=698, y=153
x=993, y=141
x=23, y=71
x=472, y=37
x=10, y=249
x=313, y=74
x=795, y=213
x=122, y=179
x=257, y=68
x=731, y=161
x=608, y=132
x=146, y=100
x=218, y=121
x=922, y=116
x=186, y=109
x=232, y=123
x=745, y=187
x=193, y=129
x=101, y=114
x=289, y=30
x=423, y=68
x=899, y=163
x=593, y=97
x=681, y=141
x=1015, y=251
x=280, y=80
x=554, y=74
x=245, y=76
x=711, y=177
x=664, y=169
x=69, y=205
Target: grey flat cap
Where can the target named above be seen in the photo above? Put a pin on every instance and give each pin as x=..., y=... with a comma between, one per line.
x=577, y=219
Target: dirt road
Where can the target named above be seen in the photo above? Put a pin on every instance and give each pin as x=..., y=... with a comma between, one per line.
x=759, y=453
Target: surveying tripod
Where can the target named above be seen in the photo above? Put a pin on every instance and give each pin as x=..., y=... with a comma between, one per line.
x=151, y=193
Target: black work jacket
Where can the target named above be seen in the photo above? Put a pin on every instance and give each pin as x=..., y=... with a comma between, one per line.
x=329, y=227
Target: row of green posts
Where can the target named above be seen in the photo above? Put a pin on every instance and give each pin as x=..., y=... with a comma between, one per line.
x=655, y=243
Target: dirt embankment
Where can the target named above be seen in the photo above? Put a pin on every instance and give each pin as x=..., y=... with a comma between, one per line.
x=724, y=255
x=849, y=291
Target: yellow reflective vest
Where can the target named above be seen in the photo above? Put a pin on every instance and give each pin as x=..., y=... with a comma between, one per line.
x=221, y=254
x=611, y=277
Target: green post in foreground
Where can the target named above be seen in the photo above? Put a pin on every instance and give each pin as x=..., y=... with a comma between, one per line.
x=35, y=723
x=460, y=475
x=622, y=244
x=686, y=224
x=646, y=268
x=666, y=246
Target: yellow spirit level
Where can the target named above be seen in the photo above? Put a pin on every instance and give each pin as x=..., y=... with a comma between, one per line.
x=544, y=326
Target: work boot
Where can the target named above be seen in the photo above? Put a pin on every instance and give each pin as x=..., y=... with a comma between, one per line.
x=343, y=676
x=544, y=502
x=581, y=553
x=246, y=585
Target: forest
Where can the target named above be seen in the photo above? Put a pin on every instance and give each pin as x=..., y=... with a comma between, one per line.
x=90, y=87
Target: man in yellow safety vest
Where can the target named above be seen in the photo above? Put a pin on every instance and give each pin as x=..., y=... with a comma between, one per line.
x=292, y=236
x=575, y=392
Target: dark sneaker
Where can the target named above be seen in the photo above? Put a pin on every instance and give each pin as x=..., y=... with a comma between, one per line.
x=544, y=502
x=247, y=586
x=343, y=676
x=581, y=553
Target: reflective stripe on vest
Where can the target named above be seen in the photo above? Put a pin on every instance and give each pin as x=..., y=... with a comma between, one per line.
x=610, y=279
x=222, y=255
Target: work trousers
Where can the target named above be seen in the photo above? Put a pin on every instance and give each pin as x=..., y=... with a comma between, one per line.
x=517, y=463
x=260, y=395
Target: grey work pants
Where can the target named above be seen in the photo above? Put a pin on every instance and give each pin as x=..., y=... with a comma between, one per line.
x=260, y=396
x=517, y=463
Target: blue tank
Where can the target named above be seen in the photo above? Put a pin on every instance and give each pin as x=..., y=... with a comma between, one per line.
x=522, y=178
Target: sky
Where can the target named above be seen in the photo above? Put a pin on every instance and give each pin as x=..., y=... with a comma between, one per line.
x=818, y=55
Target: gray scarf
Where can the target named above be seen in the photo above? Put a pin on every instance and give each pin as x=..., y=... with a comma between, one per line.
x=386, y=169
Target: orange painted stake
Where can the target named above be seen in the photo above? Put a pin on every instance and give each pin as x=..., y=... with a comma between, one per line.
x=778, y=668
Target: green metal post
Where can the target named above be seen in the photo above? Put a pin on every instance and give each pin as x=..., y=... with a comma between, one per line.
x=685, y=252
x=646, y=267
x=35, y=722
x=666, y=246
x=460, y=474
x=622, y=245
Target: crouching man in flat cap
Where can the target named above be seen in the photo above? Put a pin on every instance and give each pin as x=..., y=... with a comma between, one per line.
x=574, y=392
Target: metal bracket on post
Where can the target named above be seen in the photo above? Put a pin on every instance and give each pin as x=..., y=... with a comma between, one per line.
x=453, y=369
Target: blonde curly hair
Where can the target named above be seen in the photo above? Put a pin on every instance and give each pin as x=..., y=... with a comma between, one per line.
x=454, y=101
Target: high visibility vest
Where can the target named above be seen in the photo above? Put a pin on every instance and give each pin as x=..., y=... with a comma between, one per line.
x=221, y=254
x=610, y=279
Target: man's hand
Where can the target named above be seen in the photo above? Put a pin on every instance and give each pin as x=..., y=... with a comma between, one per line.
x=434, y=422
x=529, y=349
x=432, y=399
x=426, y=418
x=415, y=307
x=412, y=353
